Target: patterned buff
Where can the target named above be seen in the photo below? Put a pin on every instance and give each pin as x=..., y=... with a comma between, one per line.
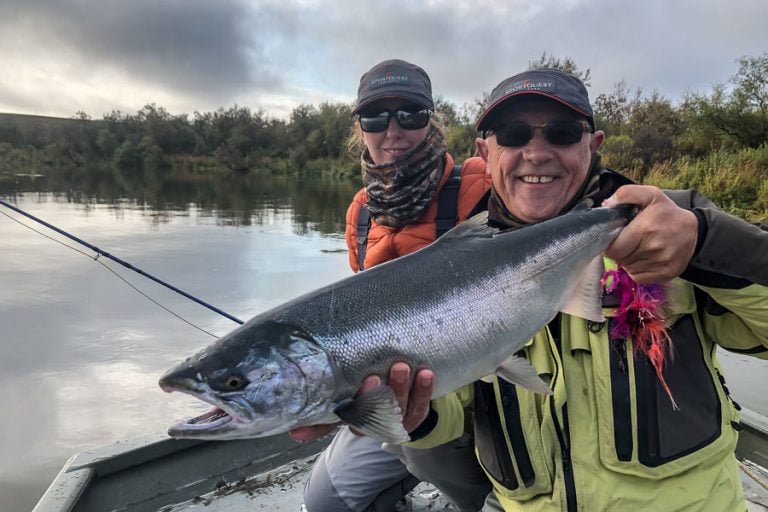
x=400, y=191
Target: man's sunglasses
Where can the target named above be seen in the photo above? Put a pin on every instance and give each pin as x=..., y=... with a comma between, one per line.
x=373, y=123
x=560, y=133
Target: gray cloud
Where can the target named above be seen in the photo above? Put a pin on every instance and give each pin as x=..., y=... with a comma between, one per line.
x=201, y=47
x=275, y=54
x=670, y=46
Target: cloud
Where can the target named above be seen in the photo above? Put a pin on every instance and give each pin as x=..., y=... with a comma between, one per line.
x=274, y=54
x=197, y=45
x=194, y=50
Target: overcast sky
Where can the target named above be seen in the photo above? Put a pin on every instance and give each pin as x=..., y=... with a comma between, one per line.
x=61, y=56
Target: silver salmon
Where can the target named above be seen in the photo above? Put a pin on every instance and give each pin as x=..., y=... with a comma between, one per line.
x=462, y=307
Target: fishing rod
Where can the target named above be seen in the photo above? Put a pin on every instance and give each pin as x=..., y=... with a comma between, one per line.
x=124, y=263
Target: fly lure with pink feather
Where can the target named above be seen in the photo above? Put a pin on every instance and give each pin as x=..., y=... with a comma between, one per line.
x=639, y=317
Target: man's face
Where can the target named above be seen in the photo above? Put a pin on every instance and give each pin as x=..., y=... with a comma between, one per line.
x=537, y=180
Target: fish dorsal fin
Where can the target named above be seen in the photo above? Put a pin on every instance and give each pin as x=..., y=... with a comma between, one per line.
x=580, y=207
x=376, y=414
x=474, y=227
x=517, y=370
x=586, y=300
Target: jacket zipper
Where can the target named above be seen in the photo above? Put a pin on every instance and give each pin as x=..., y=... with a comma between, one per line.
x=563, y=433
x=565, y=459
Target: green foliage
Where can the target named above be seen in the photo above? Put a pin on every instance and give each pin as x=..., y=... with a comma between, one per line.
x=618, y=152
x=735, y=180
x=713, y=141
x=737, y=116
x=106, y=142
x=612, y=110
x=460, y=139
x=127, y=156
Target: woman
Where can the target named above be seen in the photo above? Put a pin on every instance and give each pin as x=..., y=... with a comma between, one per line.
x=406, y=203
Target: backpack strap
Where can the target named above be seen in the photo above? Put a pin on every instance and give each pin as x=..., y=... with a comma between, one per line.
x=447, y=203
x=363, y=225
x=444, y=220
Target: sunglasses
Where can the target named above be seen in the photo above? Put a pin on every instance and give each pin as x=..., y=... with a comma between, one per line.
x=414, y=120
x=560, y=133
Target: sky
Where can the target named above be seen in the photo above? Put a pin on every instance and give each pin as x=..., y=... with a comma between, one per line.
x=58, y=57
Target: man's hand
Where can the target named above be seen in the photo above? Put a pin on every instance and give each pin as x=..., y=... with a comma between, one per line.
x=659, y=243
x=414, y=400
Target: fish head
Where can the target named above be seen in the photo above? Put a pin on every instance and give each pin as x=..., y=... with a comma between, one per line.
x=261, y=379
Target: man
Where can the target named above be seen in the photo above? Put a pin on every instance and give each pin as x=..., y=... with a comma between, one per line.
x=609, y=438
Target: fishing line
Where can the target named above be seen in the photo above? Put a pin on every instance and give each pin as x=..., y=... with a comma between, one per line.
x=99, y=252
x=98, y=260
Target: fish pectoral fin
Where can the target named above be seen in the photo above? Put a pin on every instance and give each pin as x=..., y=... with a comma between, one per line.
x=586, y=300
x=375, y=414
x=518, y=370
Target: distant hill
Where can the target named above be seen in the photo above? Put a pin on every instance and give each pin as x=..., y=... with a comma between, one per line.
x=25, y=123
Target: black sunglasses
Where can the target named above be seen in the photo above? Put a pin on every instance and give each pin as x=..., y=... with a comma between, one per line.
x=414, y=120
x=561, y=133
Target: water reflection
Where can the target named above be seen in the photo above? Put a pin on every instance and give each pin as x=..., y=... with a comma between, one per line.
x=82, y=352
x=314, y=202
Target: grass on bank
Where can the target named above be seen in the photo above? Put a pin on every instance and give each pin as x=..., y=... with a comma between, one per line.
x=735, y=181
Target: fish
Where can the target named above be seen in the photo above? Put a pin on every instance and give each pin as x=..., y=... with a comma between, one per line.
x=463, y=306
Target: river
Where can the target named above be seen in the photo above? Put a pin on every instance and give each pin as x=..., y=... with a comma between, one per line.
x=82, y=351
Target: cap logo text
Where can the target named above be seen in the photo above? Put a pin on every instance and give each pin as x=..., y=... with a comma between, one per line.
x=388, y=79
x=530, y=85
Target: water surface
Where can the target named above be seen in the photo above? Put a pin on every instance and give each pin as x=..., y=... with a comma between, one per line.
x=81, y=351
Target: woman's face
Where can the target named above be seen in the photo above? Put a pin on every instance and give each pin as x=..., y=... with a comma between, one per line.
x=387, y=146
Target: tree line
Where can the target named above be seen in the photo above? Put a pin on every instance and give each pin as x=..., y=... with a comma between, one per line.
x=721, y=135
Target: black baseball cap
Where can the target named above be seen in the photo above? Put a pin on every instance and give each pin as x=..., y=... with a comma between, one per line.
x=394, y=78
x=557, y=85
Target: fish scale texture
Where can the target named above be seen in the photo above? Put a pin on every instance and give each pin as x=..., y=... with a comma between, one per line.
x=460, y=307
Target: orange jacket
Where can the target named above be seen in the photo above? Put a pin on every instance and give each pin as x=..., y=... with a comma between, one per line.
x=386, y=243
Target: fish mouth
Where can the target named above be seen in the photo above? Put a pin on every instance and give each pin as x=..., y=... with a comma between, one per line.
x=226, y=414
x=214, y=419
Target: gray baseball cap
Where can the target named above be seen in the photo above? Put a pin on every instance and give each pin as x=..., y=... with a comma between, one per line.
x=394, y=78
x=557, y=85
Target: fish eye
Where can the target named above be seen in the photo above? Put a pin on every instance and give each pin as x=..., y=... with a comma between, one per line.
x=228, y=381
x=234, y=382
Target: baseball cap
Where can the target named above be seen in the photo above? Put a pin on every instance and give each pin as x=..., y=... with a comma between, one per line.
x=394, y=78
x=551, y=83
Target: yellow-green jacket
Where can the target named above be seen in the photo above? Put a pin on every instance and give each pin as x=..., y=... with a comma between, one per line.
x=609, y=439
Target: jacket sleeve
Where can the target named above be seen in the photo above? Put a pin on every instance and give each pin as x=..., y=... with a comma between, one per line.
x=733, y=252
x=730, y=270
x=737, y=319
x=450, y=419
x=350, y=231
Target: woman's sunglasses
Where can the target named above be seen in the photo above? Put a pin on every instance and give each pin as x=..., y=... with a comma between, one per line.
x=406, y=120
x=560, y=133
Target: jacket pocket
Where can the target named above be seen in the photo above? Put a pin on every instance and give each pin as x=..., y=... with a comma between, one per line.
x=508, y=440
x=663, y=433
x=640, y=431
